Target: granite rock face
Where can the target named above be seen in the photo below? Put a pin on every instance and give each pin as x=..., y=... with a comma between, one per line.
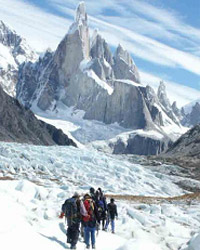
x=83, y=73
x=162, y=97
x=124, y=68
x=141, y=145
x=179, y=113
x=18, y=124
x=86, y=75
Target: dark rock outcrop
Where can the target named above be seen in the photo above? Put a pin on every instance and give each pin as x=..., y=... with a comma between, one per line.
x=188, y=145
x=193, y=117
x=18, y=124
x=186, y=152
x=141, y=145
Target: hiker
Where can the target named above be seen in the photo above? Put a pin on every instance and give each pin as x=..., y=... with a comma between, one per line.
x=112, y=213
x=92, y=194
x=71, y=209
x=90, y=221
x=101, y=206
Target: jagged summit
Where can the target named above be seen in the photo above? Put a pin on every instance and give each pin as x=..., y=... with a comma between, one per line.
x=94, y=36
x=162, y=96
x=14, y=50
x=87, y=76
x=124, y=67
x=80, y=19
x=81, y=15
x=123, y=54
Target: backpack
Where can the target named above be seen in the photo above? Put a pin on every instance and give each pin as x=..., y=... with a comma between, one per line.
x=90, y=220
x=70, y=209
x=100, y=206
x=89, y=206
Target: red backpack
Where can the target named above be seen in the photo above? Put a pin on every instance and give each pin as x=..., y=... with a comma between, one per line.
x=89, y=206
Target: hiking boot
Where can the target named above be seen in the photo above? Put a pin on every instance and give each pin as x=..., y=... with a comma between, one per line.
x=88, y=246
x=73, y=247
x=93, y=247
x=113, y=232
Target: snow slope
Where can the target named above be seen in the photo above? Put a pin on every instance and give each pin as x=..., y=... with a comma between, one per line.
x=98, y=134
x=45, y=176
x=6, y=58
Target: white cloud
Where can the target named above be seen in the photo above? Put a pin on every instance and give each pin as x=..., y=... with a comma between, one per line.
x=44, y=30
x=148, y=48
x=143, y=46
x=41, y=29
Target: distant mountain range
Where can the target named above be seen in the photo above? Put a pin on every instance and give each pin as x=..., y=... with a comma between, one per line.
x=83, y=73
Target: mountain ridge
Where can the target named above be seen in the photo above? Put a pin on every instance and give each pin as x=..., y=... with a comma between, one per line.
x=83, y=73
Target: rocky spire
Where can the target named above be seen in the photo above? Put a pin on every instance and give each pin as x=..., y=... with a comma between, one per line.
x=100, y=49
x=81, y=15
x=162, y=96
x=81, y=26
x=123, y=54
x=74, y=48
x=176, y=110
x=124, y=66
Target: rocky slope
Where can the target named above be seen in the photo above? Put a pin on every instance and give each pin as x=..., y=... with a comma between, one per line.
x=17, y=124
x=186, y=152
x=187, y=145
x=13, y=51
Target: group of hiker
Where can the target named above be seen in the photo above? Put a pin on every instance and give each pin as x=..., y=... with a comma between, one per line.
x=88, y=215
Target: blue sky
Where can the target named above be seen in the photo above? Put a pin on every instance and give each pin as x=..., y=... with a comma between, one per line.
x=162, y=36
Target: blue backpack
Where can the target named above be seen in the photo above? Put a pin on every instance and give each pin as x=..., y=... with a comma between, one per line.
x=100, y=205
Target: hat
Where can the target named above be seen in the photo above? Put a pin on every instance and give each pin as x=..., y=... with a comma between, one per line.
x=87, y=196
x=92, y=190
x=76, y=195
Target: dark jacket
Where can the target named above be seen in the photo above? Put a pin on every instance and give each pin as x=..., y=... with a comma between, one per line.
x=71, y=209
x=112, y=211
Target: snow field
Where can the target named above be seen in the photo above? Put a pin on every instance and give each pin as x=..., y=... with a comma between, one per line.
x=46, y=176
x=71, y=167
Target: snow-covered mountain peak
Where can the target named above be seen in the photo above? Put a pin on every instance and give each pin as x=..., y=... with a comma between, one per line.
x=14, y=50
x=20, y=50
x=87, y=76
x=81, y=15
